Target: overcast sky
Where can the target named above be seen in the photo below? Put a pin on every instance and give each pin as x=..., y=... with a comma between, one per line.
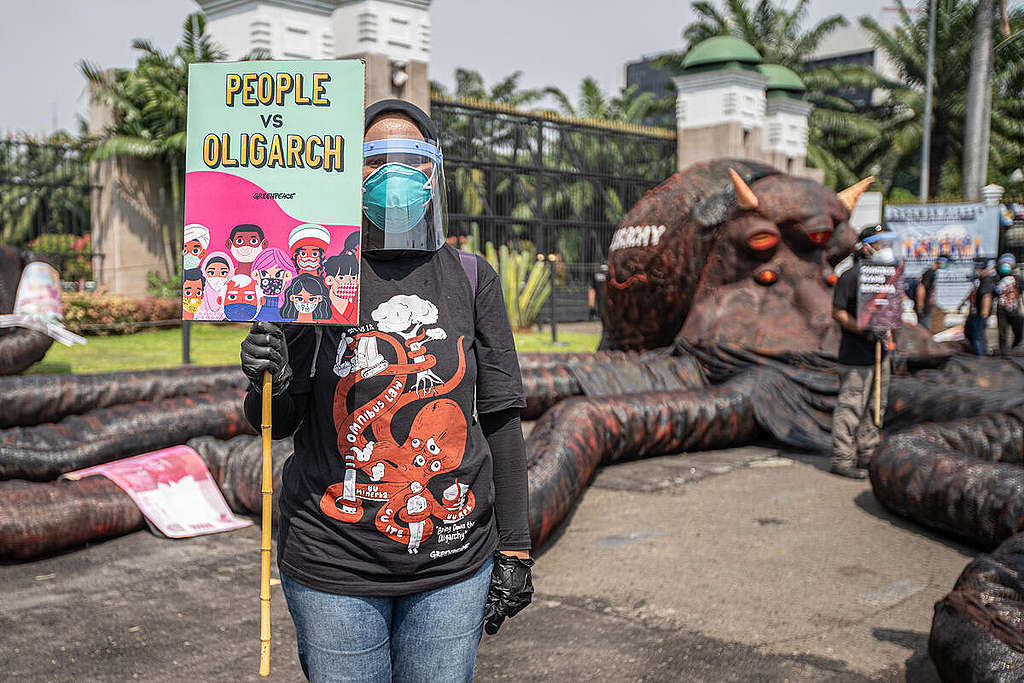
x=553, y=42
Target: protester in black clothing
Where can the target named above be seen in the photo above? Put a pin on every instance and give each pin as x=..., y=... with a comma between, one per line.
x=409, y=469
x=980, y=300
x=854, y=433
x=924, y=296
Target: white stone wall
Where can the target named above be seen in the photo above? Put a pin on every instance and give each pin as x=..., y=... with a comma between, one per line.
x=399, y=29
x=288, y=33
x=786, y=127
x=710, y=98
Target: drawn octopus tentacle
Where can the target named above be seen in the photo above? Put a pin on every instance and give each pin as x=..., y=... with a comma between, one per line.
x=343, y=419
x=445, y=388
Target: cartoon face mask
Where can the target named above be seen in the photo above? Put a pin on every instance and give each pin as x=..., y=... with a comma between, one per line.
x=241, y=303
x=308, y=258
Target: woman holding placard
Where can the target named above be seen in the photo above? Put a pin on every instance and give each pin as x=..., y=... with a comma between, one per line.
x=409, y=469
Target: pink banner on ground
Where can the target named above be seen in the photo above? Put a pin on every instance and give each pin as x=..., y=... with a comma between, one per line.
x=173, y=489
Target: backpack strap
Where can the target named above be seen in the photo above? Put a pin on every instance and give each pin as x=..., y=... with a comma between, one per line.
x=469, y=264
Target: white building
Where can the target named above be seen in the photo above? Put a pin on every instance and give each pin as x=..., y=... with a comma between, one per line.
x=393, y=36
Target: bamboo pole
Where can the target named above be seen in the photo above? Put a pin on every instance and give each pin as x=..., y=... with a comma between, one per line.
x=878, y=383
x=268, y=492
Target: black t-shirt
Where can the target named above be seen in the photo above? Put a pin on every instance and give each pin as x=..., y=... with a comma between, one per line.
x=928, y=280
x=854, y=349
x=390, y=490
x=986, y=285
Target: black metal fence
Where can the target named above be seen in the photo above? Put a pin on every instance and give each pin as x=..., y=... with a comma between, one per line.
x=546, y=182
x=44, y=202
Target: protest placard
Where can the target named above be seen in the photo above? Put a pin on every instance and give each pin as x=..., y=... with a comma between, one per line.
x=880, y=296
x=273, y=191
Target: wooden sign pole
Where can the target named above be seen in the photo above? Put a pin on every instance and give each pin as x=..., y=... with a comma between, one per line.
x=268, y=495
x=878, y=383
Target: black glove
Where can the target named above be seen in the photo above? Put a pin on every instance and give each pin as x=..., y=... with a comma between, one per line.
x=511, y=590
x=263, y=349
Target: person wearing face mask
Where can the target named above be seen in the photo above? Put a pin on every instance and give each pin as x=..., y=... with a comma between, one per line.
x=1008, y=292
x=242, y=299
x=306, y=300
x=192, y=283
x=309, y=243
x=217, y=269
x=341, y=275
x=245, y=243
x=924, y=294
x=273, y=270
x=194, y=245
x=854, y=433
x=403, y=513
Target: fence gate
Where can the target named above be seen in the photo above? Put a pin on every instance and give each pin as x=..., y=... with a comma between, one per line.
x=44, y=203
x=546, y=182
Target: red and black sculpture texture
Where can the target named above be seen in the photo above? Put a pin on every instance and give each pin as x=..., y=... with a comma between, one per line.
x=718, y=332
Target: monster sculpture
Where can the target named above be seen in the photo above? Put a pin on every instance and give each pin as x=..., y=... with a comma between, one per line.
x=732, y=251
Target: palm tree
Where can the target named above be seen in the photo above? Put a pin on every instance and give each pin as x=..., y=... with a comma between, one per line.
x=779, y=36
x=469, y=84
x=894, y=155
x=149, y=104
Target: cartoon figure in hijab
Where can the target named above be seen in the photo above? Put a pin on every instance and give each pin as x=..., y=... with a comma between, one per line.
x=308, y=244
x=273, y=271
x=192, y=283
x=217, y=269
x=245, y=243
x=341, y=275
x=306, y=300
x=196, y=241
x=242, y=299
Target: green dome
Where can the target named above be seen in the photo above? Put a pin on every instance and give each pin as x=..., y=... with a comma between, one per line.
x=721, y=50
x=781, y=78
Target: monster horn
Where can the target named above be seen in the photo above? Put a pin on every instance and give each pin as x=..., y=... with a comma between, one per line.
x=851, y=194
x=745, y=197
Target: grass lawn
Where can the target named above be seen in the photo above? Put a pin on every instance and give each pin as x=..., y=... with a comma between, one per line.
x=215, y=345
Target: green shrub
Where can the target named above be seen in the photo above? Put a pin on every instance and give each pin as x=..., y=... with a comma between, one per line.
x=158, y=285
x=72, y=254
x=89, y=313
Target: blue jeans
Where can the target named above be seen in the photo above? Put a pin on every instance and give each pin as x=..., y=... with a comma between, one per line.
x=429, y=636
x=974, y=330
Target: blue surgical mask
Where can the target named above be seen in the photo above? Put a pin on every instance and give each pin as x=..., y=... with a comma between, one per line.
x=395, y=197
x=1005, y=269
x=239, y=311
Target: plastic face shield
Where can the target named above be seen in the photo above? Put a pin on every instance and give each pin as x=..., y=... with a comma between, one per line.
x=884, y=244
x=404, y=203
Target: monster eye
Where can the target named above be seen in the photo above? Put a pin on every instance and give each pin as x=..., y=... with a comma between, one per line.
x=762, y=241
x=820, y=236
x=435, y=466
x=766, y=277
x=416, y=443
x=433, y=447
x=418, y=461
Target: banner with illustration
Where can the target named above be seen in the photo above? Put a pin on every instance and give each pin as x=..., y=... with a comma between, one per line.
x=964, y=231
x=880, y=296
x=273, y=188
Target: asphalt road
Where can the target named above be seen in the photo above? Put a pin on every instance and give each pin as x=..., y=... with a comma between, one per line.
x=735, y=565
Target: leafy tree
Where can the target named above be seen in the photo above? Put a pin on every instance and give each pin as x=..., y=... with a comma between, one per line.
x=44, y=189
x=895, y=153
x=630, y=106
x=149, y=105
x=470, y=85
x=779, y=36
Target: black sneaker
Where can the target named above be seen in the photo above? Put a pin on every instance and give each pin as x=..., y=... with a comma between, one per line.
x=851, y=472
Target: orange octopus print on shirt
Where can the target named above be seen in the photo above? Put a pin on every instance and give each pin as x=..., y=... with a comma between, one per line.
x=379, y=467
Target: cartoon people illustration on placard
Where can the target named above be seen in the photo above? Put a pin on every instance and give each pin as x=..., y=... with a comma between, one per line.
x=245, y=242
x=273, y=271
x=217, y=269
x=381, y=468
x=192, y=283
x=308, y=244
x=306, y=299
x=194, y=245
x=242, y=299
x=341, y=275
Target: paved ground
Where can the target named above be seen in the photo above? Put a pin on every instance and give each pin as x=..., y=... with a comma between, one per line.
x=735, y=565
